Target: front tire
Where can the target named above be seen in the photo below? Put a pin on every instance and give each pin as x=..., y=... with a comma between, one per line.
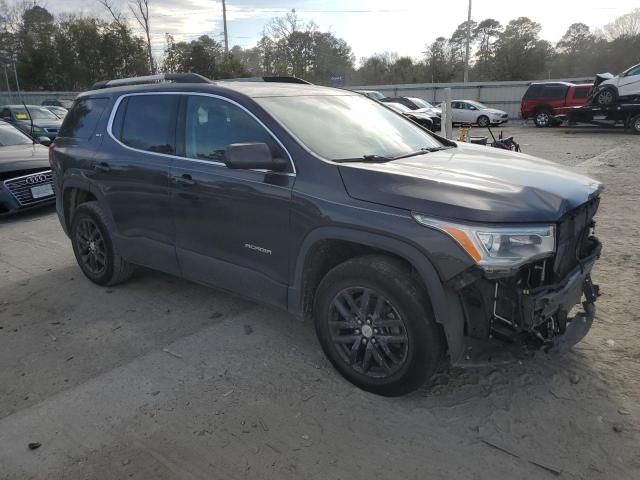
x=606, y=97
x=374, y=323
x=483, y=121
x=93, y=247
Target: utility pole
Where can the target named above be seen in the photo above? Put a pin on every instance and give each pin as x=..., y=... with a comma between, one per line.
x=224, y=20
x=466, y=54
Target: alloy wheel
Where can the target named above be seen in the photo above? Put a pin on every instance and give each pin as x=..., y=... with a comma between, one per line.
x=91, y=246
x=368, y=332
x=542, y=119
x=605, y=97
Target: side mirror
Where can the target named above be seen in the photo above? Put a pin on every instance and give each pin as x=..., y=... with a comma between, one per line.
x=252, y=156
x=46, y=141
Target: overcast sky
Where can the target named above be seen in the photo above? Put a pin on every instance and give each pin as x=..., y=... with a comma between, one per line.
x=369, y=26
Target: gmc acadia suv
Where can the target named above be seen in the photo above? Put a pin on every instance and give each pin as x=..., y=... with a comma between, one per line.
x=400, y=245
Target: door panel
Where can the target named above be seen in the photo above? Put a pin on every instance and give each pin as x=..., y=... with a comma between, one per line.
x=231, y=225
x=630, y=84
x=133, y=174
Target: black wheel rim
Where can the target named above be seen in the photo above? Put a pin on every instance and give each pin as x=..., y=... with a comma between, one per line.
x=368, y=332
x=91, y=246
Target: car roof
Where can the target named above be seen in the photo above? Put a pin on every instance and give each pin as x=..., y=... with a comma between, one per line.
x=21, y=106
x=251, y=89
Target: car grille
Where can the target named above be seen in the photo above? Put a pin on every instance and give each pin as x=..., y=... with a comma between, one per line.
x=20, y=187
x=505, y=115
x=573, y=238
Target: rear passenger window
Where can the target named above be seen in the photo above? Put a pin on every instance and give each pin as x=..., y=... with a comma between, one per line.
x=147, y=122
x=534, y=91
x=211, y=124
x=554, y=92
x=82, y=119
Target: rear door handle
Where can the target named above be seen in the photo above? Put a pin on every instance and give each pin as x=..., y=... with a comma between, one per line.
x=102, y=167
x=185, y=179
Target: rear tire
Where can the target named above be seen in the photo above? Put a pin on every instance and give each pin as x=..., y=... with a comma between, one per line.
x=635, y=124
x=483, y=121
x=93, y=247
x=374, y=323
x=542, y=119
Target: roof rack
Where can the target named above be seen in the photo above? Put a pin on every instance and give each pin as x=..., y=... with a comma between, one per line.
x=274, y=79
x=159, y=78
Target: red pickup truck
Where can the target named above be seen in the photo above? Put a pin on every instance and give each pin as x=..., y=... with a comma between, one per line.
x=544, y=100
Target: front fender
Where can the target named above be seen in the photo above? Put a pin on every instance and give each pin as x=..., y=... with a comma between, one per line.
x=444, y=301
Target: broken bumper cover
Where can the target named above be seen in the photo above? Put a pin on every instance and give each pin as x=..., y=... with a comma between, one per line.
x=546, y=309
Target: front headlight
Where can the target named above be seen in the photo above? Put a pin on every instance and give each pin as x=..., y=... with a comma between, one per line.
x=495, y=248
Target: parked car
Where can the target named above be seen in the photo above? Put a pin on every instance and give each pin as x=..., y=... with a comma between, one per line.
x=400, y=245
x=469, y=111
x=45, y=123
x=609, y=89
x=371, y=94
x=59, y=112
x=543, y=101
x=25, y=174
x=414, y=103
x=58, y=103
x=427, y=119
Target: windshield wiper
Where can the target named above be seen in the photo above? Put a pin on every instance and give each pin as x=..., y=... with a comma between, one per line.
x=383, y=159
x=420, y=152
x=366, y=158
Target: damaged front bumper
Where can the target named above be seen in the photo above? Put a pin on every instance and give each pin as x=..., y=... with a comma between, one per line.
x=507, y=308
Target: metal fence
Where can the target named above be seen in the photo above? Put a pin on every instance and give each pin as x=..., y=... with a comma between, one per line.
x=34, y=98
x=503, y=95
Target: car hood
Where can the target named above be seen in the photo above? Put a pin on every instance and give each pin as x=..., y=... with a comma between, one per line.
x=602, y=77
x=23, y=157
x=472, y=183
x=494, y=110
x=42, y=124
x=431, y=112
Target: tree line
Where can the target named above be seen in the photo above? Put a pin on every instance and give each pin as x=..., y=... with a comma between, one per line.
x=70, y=52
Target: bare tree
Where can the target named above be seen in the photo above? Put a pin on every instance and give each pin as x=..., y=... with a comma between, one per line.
x=140, y=10
x=627, y=25
x=117, y=16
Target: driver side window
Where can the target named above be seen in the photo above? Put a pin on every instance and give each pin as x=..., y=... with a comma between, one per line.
x=211, y=124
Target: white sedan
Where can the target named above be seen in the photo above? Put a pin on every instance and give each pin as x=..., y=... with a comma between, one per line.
x=469, y=111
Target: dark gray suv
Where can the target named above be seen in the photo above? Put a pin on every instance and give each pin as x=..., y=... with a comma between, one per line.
x=401, y=245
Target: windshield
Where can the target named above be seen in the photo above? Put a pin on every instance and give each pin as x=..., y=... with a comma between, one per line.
x=421, y=103
x=11, y=136
x=347, y=127
x=36, y=112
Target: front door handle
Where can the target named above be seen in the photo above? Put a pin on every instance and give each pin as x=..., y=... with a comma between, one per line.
x=185, y=179
x=102, y=167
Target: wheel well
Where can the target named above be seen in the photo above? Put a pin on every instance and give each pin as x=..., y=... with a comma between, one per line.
x=327, y=254
x=73, y=198
x=542, y=108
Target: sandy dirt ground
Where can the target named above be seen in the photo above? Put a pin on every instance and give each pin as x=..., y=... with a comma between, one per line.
x=163, y=379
